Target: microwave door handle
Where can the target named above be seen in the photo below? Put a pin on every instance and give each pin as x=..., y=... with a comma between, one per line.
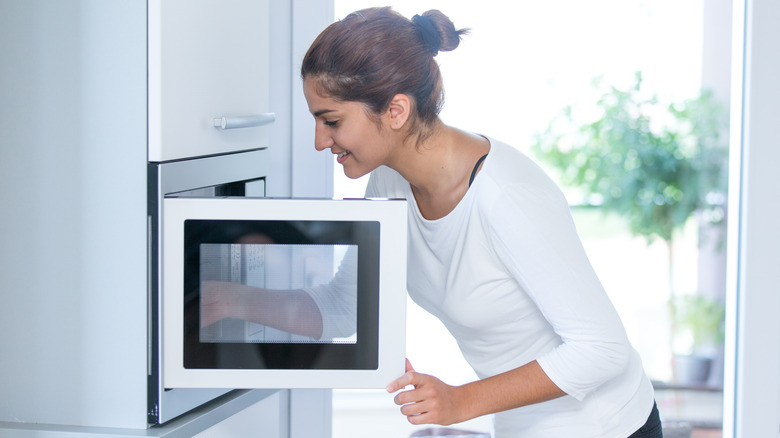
x=244, y=121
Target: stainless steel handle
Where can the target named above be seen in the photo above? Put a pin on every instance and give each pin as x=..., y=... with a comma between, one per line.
x=244, y=121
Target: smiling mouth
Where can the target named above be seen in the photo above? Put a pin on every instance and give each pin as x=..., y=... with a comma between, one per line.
x=342, y=154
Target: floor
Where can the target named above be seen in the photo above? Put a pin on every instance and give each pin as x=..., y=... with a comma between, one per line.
x=704, y=433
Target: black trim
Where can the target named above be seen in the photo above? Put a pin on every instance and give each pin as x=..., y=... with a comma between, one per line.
x=362, y=355
x=476, y=166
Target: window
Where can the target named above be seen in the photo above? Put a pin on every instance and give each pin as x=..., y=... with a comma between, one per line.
x=536, y=58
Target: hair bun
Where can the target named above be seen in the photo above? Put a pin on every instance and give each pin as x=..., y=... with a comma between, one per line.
x=430, y=34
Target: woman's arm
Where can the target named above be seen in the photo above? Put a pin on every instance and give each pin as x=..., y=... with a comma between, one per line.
x=293, y=311
x=434, y=402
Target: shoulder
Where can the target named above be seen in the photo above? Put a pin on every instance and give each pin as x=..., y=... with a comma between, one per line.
x=509, y=165
x=510, y=176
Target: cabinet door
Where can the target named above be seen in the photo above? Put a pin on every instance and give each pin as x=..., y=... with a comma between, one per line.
x=263, y=419
x=208, y=77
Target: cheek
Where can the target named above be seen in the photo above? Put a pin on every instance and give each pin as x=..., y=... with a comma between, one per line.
x=371, y=141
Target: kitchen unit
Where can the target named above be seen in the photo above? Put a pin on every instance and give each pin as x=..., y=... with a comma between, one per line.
x=87, y=146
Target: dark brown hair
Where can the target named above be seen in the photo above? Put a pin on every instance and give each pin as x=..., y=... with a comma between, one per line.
x=373, y=54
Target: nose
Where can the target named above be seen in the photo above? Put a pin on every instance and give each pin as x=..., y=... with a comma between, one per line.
x=322, y=140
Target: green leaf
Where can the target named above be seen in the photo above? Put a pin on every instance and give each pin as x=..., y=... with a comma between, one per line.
x=654, y=165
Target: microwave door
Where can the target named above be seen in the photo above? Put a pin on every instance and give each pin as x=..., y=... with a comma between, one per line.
x=283, y=293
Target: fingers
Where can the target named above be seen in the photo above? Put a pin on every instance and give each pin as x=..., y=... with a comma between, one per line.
x=420, y=404
x=409, y=378
x=424, y=405
x=214, y=302
x=422, y=390
x=425, y=418
x=413, y=405
x=431, y=401
x=417, y=413
x=407, y=398
x=405, y=380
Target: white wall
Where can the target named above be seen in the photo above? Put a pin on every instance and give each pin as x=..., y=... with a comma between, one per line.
x=752, y=388
x=312, y=174
x=73, y=220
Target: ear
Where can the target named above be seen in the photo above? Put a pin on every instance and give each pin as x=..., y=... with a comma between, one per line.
x=399, y=111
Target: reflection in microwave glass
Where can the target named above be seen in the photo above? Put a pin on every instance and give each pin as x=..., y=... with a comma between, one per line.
x=278, y=293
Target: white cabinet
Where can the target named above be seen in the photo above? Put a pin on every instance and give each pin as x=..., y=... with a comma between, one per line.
x=263, y=419
x=80, y=348
x=208, y=77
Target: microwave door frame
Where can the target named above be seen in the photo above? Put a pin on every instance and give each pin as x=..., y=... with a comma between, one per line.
x=164, y=179
x=382, y=323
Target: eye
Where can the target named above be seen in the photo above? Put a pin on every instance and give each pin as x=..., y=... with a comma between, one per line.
x=331, y=123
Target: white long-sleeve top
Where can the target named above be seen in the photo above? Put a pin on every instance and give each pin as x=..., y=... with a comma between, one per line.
x=506, y=273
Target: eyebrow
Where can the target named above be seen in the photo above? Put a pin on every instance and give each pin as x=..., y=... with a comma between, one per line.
x=321, y=112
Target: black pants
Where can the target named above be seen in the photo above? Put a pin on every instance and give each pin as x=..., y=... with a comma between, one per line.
x=652, y=428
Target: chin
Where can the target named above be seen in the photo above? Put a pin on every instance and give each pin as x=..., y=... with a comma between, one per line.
x=354, y=174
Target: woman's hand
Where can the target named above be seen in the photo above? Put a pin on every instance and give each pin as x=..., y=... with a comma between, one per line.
x=430, y=402
x=217, y=300
x=434, y=402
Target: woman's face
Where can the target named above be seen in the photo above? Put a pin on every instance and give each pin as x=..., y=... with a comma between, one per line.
x=346, y=129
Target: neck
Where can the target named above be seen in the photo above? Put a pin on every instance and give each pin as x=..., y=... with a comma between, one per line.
x=439, y=167
x=428, y=164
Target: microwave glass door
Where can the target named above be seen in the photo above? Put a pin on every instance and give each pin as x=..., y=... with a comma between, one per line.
x=273, y=293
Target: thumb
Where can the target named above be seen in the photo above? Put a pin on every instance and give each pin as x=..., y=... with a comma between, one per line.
x=403, y=381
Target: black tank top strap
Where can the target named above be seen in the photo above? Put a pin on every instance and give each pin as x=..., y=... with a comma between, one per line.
x=476, y=166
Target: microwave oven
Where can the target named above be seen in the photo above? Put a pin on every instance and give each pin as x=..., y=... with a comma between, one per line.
x=197, y=211
x=283, y=293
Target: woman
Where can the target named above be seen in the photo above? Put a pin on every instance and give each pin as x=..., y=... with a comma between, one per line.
x=493, y=251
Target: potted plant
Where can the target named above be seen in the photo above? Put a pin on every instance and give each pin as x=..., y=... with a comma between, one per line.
x=653, y=164
x=697, y=333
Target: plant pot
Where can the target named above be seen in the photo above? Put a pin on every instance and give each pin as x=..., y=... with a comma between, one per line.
x=677, y=430
x=692, y=370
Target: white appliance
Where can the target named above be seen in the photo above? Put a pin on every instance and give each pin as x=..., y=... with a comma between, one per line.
x=279, y=254
x=200, y=212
